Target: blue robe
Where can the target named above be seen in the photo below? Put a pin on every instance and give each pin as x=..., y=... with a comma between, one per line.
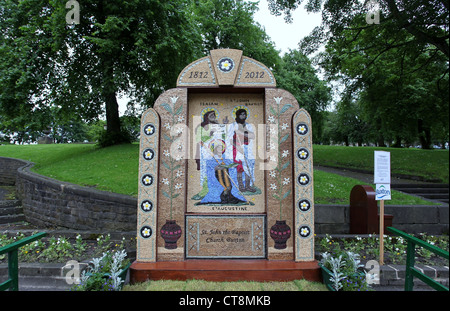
x=215, y=194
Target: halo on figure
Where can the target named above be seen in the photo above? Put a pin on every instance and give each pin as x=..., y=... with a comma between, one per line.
x=237, y=108
x=215, y=143
x=209, y=109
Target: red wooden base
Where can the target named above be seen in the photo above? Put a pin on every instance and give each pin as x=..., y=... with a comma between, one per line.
x=225, y=270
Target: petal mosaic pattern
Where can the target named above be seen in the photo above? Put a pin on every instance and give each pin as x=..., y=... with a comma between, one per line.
x=304, y=187
x=147, y=195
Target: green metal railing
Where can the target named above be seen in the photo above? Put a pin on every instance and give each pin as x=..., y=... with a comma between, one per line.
x=411, y=271
x=13, y=261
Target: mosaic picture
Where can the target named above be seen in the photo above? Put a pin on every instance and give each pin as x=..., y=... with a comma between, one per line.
x=224, y=172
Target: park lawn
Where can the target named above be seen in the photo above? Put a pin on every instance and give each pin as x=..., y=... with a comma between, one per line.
x=335, y=189
x=432, y=165
x=115, y=168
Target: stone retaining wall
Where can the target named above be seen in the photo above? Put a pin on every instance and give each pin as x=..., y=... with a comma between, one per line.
x=430, y=219
x=8, y=170
x=51, y=203
x=48, y=202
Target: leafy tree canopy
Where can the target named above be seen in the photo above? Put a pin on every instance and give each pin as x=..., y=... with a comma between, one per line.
x=52, y=72
x=427, y=21
x=392, y=59
x=131, y=47
x=298, y=76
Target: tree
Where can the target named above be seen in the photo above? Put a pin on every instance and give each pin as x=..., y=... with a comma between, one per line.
x=346, y=124
x=131, y=47
x=297, y=75
x=396, y=63
x=427, y=21
x=404, y=83
x=230, y=24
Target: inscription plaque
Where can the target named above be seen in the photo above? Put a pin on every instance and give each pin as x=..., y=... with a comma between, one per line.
x=233, y=236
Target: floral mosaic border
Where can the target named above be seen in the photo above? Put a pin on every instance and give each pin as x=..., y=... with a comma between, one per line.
x=148, y=190
x=304, y=186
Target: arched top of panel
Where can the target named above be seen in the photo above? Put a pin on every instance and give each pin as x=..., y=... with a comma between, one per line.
x=226, y=67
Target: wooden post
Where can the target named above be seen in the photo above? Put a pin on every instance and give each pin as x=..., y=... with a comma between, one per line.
x=381, y=232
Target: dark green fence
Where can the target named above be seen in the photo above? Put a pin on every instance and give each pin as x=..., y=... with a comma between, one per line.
x=13, y=261
x=411, y=271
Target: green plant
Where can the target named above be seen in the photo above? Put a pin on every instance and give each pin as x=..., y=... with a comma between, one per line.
x=355, y=282
x=427, y=255
x=79, y=246
x=103, y=243
x=347, y=272
x=355, y=245
x=104, y=273
x=397, y=250
x=329, y=244
x=57, y=248
x=107, y=139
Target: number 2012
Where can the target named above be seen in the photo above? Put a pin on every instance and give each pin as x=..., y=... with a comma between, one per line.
x=252, y=75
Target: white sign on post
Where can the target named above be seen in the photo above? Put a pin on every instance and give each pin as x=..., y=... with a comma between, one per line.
x=382, y=179
x=383, y=192
x=382, y=170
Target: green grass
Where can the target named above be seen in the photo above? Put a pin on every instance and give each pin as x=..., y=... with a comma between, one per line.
x=112, y=169
x=335, y=189
x=115, y=168
x=432, y=165
x=200, y=285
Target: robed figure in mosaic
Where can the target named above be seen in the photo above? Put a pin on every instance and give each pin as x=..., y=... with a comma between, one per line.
x=241, y=136
x=217, y=169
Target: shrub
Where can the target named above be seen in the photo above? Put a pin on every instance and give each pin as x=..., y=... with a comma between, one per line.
x=104, y=273
x=347, y=272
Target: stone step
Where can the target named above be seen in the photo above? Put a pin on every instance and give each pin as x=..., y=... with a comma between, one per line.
x=7, y=219
x=435, y=196
x=38, y=277
x=9, y=203
x=393, y=276
x=42, y=276
x=438, y=192
x=47, y=283
x=413, y=185
x=426, y=190
x=11, y=210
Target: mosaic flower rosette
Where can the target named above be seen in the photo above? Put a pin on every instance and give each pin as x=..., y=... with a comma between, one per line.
x=304, y=187
x=148, y=194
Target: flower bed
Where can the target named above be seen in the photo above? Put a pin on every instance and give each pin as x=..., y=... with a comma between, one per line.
x=60, y=249
x=368, y=248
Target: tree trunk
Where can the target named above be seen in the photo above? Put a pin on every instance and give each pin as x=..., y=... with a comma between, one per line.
x=346, y=141
x=113, y=134
x=424, y=135
x=397, y=143
x=112, y=115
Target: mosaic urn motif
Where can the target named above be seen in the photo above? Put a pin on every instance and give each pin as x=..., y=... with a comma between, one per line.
x=280, y=233
x=170, y=232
